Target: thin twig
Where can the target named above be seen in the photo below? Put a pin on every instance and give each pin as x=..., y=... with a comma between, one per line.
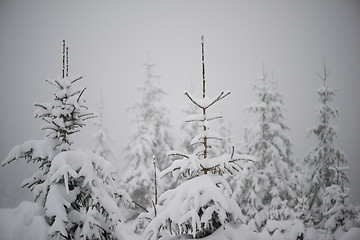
x=76, y=79
x=178, y=155
x=81, y=94
x=193, y=100
x=143, y=208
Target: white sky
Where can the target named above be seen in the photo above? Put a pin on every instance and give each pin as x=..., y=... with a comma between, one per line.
x=109, y=42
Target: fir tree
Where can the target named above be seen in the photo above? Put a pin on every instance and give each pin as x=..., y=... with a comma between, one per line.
x=102, y=137
x=202, y=203
x=62, y=117
x=329, y=202
x=267, y=182
x=152, y=137
x=75, y=188
x=83, y=200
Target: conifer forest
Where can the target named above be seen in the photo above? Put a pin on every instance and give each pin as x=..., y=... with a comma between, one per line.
x=231, y=120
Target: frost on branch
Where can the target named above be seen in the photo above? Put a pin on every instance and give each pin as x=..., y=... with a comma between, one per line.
x=83, y=199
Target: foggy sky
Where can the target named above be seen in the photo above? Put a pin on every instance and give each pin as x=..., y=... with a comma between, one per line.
x=109, y=41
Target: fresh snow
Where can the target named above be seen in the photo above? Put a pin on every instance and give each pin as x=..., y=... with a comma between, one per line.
x=352, y=234
x=181, y=206
x=25, y=222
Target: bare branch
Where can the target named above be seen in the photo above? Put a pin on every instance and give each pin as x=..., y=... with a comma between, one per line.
x=39, y=105
x=219, y=117
x=55, y=85
x=154, y=206
x=178, y=155
x=61, y=87
x=193, y=100
x=81, y=94
x=76, y=79
x=221, y=96
x=143, y=208
x=202, y=120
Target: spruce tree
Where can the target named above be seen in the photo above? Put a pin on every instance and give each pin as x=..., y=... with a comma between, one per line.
x=102, y=138
x=329, y=198
x=266, y=184
x=76, y=189
x=64, y=116
x=202, y=203
x=152, y=137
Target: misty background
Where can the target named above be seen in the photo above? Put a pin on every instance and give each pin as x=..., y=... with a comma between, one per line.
x=110, y=40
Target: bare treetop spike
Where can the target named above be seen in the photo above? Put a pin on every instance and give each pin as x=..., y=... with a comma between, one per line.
x=63, y=60
x=67, y=61
x=203, y=64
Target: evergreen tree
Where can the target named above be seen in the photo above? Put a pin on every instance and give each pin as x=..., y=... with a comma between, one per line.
x=62, y=117
x=83, y=201
x=102, y=137
x=267, y=182
x=75, y=188
x=152, y=137
x=329, y=198
x=202, y=203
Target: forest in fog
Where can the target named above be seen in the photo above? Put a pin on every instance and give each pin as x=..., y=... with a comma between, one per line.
x=179, y=120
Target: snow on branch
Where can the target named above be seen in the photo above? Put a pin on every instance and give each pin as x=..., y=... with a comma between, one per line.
x=191, y=165
x=205, y=134
x=83, y=182
x=31, y=150
x=202, y=117
x=191, y=207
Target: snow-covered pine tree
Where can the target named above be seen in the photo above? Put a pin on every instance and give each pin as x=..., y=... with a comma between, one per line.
x=83, y=200
x=102, y=137
x=267, y=183
x=62, y=117
x=152, y=137
x=202, y=203
x=329, y=198
x=76, y=188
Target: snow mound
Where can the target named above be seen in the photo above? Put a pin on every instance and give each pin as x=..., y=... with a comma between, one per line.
x=352, y=234
x=24, y=222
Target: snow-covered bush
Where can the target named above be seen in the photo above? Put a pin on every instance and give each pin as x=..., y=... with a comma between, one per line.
x=202, y=203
